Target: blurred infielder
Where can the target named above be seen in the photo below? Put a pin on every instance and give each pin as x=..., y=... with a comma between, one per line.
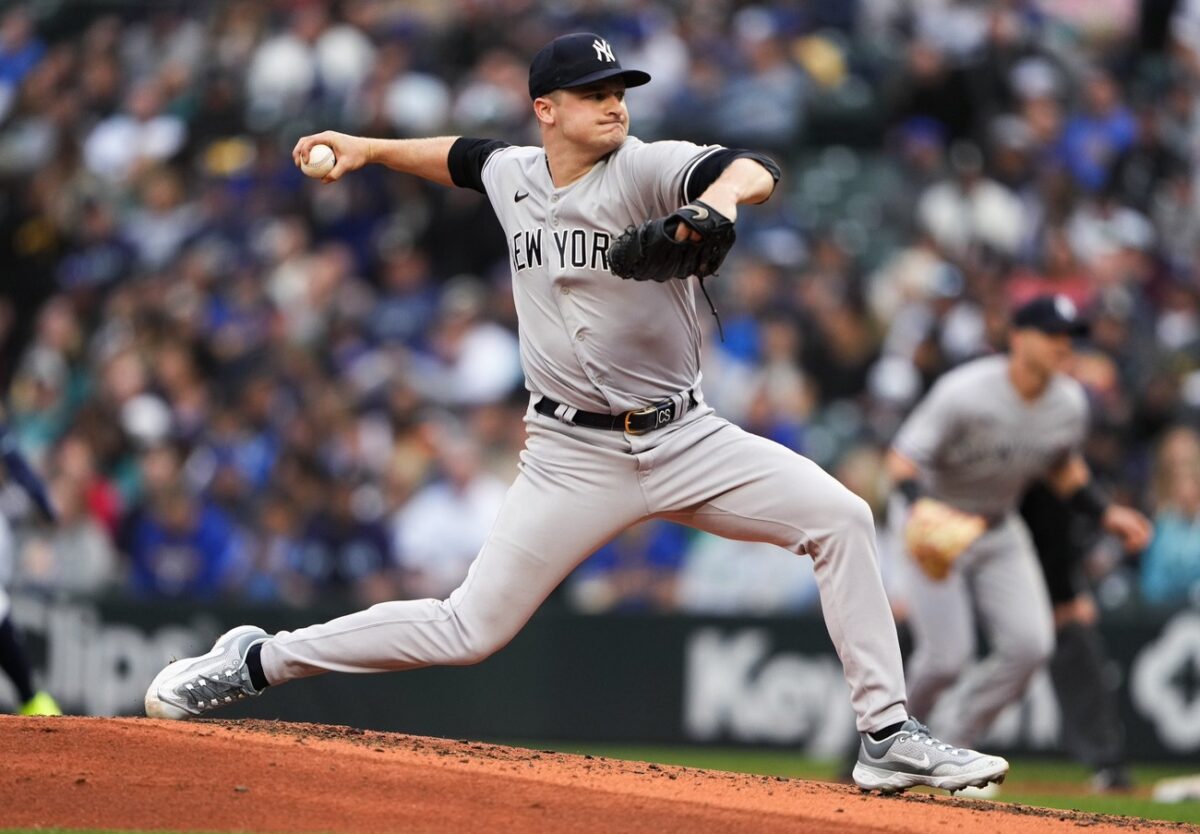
x=13, y=659
x=618, y=429
x=962, y=460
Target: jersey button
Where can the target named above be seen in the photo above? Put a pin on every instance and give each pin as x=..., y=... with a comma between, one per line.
x=579, y=337
x=554, y=198
x=566, y=290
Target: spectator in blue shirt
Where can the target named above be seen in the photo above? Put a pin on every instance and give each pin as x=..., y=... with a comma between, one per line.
x=636, y=571
x=20, y=47
x=344, y=548
x=1093, y=139
x=184, y=547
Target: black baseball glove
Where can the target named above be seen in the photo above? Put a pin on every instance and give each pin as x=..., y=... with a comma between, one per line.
x=650, y=252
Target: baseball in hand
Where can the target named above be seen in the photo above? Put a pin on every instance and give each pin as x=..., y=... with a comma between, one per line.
x=320, y=161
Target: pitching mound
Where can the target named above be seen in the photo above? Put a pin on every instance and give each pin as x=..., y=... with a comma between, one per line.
x=267, y=776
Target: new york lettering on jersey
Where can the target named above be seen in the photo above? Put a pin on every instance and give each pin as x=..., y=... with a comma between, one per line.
x=589, y=338
x=575, y=248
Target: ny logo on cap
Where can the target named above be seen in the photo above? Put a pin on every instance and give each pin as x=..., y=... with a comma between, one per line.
x=1065, y=308
x=603, y=51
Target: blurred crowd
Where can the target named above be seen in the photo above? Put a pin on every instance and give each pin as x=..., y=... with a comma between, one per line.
x=242, y=383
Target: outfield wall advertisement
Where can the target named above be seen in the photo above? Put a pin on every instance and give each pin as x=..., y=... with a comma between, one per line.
x=567, y=677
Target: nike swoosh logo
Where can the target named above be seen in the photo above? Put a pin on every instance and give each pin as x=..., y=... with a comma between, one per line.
x=519, y=196
x=921, y=762
x=701, y=212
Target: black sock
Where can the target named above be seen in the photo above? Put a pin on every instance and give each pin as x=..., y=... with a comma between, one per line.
x=14, y=661
x=254, y=663
x=889, y=730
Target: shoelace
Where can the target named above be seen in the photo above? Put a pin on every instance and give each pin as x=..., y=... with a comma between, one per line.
x=923, y=735
x=208, y=692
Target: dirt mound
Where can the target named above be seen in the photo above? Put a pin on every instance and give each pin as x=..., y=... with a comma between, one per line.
x=256, y=776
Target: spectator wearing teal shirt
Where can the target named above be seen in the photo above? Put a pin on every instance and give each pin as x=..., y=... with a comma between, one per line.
x=1170, y=572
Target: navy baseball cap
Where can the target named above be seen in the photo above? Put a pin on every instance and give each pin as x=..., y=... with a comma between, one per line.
x=1053, y=314
x=575, y=60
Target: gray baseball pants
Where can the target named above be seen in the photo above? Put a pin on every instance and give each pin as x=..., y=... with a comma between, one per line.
x=999, y=579
x=579, y=487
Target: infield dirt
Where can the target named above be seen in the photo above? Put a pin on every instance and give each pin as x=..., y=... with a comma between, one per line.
x=130, y=773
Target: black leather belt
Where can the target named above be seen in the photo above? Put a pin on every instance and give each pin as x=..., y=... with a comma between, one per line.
x=640, y=421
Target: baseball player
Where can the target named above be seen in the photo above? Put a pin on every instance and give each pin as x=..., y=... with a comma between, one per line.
x=13, y=659
x=618, y=428
x=962, y=460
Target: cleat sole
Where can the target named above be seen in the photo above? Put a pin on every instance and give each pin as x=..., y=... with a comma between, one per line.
x=888, y=782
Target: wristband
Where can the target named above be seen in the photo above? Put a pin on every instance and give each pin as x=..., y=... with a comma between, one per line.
x=1089, y=500
x=910, y=489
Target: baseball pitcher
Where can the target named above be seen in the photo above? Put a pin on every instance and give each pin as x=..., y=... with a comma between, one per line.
x=608, y=239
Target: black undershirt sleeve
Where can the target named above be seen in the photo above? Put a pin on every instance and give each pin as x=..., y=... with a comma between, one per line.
x=466, y=160
x=1056, y=540
x=705, y=172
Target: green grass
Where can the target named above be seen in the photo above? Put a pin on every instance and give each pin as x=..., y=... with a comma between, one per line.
x=1125, y=806
x=1046, y=783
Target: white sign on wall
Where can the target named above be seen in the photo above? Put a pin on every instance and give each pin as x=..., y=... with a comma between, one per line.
x=1159, y=683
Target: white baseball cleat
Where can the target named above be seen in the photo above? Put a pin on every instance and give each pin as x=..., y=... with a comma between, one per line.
x=194, y=685
x=911, y=757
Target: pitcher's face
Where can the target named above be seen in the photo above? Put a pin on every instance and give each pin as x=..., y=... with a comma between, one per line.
x=594, y=116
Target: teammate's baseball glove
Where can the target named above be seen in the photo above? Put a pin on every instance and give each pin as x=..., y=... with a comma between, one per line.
x=936, y=535
x=650, y=252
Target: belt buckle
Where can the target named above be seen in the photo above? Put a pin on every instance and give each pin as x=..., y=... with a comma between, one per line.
x=650, y=409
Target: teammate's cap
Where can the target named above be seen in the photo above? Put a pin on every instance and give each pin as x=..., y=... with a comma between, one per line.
x=1053, y=314
x=575, y=60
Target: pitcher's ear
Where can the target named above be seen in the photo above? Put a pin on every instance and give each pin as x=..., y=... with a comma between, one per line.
x=543, y=108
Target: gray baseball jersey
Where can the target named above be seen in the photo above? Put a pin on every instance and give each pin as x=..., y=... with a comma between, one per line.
x=979, y=444
x=589, y=338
